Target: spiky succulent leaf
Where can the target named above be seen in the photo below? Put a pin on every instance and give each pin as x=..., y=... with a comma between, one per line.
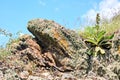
x=109, y=37
x=91, y=40
x=100, y=36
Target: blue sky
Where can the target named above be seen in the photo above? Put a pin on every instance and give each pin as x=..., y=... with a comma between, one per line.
x=14, y=14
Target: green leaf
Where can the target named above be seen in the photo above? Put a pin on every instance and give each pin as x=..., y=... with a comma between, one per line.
x=97, y=27
x=91, y=40
x=109, y=37
x=89, y=52
x=102, y=51
x=100, y=36
x=97, y=49
x=95, y=54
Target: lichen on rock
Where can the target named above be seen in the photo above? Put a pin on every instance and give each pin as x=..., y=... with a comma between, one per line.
x=55, y=36
x=55, y=51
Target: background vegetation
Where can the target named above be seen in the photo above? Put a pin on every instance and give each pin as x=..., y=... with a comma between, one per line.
x=5, y=50
x=105, y=28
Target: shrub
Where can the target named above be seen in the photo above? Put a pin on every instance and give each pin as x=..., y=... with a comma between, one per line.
x=5, y=50
x=6, y=33
x=96, y=39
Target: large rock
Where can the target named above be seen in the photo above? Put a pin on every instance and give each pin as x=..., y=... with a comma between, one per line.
x=61, y=43
x=62, y=46
x=55, y=37
x=63, y=50
x=65, y=46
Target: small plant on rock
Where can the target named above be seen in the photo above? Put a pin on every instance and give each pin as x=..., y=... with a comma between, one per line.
x=96, y=39
x=4, y=51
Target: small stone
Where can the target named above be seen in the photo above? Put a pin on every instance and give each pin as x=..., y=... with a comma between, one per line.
x=24, y=75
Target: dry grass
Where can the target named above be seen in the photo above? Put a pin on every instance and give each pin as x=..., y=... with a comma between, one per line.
x=112, y=26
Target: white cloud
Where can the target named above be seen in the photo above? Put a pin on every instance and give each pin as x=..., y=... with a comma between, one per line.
x=42, y=3
x=106, y=8
x=90, y=17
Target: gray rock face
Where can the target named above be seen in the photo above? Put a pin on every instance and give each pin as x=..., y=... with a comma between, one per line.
x=58, y=53
x=8, y=74
x=66, y=43
x=54, y=36
x=116, y=41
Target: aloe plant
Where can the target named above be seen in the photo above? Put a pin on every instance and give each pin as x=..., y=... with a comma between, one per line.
x=96, y=38
x=99, y=42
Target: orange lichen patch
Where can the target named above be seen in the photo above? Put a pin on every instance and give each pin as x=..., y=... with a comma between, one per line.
x=119, y=49
x=60, y=39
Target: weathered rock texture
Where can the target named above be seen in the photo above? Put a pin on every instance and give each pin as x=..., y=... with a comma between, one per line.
x=55, y=36
x=58, y=53
x=116, y=40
